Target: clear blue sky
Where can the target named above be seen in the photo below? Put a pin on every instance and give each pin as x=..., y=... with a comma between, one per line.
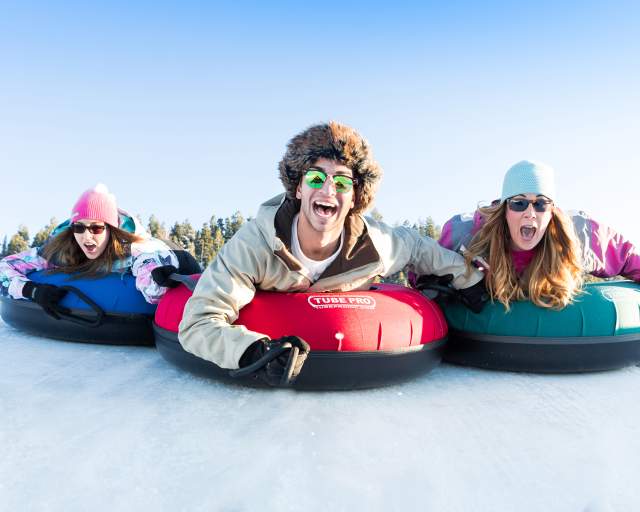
x=184, y=109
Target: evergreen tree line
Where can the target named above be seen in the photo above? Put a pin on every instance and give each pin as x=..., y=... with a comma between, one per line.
x=203, y=243
x=426, y=227
x=21, y=240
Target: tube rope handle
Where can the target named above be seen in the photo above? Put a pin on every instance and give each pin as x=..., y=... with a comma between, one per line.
x=268, y=356
x=66, y=314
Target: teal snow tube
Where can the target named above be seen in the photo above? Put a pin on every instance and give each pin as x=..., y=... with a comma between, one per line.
x=599, y=331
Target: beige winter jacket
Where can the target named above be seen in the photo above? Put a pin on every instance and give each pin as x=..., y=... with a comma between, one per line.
x=259, y=257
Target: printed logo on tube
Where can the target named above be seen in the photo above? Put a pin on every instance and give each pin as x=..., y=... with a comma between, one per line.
x=330, y=301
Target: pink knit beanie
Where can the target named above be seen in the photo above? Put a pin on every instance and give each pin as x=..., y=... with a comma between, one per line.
x=96, y=204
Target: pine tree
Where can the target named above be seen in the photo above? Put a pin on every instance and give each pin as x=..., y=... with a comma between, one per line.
x=213, y=223
x=184, y=235
x=204, y=245
x=5, y=247
x=431, y=229
x=156, y=228
x=23, y=231
x=19, y=242
x=216, y=224
x=43, y=235
x=232, y=225
x=426, y=227
x=218, y=240
x=220, y=224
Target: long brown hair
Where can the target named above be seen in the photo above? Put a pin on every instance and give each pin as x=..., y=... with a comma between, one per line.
x=65, y=253
x=554, y=276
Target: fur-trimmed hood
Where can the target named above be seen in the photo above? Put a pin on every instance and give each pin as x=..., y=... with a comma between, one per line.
x=333, y=141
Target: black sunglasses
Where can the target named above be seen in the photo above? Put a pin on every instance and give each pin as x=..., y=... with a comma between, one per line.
x=520, y=204
x=95, y=229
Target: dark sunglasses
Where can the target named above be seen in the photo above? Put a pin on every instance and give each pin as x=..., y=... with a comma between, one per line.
x=315, y=178
x=520, y=204
x=95, y=229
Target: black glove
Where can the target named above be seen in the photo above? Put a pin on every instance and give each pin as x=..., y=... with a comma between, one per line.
x=45, y=295
x=285, y=368
x=433, y=282
x=161, y=276
x=474, y=297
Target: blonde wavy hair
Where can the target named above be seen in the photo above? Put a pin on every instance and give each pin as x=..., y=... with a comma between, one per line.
x=64, y=252
x=554, y=276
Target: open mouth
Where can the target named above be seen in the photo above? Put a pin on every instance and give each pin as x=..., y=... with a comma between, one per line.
x=324, y=209
x=528, y=232
x=89, y=247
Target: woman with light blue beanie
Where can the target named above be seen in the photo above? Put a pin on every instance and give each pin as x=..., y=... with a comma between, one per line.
x=530, y=249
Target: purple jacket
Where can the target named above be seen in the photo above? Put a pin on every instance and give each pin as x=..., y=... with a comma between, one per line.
x=605, y=253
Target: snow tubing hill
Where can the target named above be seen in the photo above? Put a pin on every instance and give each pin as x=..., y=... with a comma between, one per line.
x=358, y=339
x=599, y=331
x=114, y=312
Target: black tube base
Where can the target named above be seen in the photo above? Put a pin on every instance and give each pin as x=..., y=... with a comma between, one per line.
x=543, y=355
x=115, y=329
x=324, y=370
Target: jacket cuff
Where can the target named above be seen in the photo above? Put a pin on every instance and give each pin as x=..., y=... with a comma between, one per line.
x=27, y=290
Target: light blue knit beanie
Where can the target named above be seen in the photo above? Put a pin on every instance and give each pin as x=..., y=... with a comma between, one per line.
x=529, y=177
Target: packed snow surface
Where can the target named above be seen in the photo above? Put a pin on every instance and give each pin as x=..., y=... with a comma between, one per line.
x=87, y=427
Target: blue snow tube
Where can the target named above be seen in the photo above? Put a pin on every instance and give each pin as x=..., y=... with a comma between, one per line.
x=106, y=310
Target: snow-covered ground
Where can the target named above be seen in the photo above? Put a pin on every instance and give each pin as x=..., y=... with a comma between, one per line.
x=87, y=427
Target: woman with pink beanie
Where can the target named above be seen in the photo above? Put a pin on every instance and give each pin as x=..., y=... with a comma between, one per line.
x=98, y=238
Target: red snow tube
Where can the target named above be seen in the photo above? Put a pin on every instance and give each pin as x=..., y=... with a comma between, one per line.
x=358, y=339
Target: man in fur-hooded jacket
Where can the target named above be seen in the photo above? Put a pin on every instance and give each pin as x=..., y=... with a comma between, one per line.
x=312, y=238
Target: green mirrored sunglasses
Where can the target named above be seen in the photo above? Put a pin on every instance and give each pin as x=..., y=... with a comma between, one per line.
x=315, y=178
